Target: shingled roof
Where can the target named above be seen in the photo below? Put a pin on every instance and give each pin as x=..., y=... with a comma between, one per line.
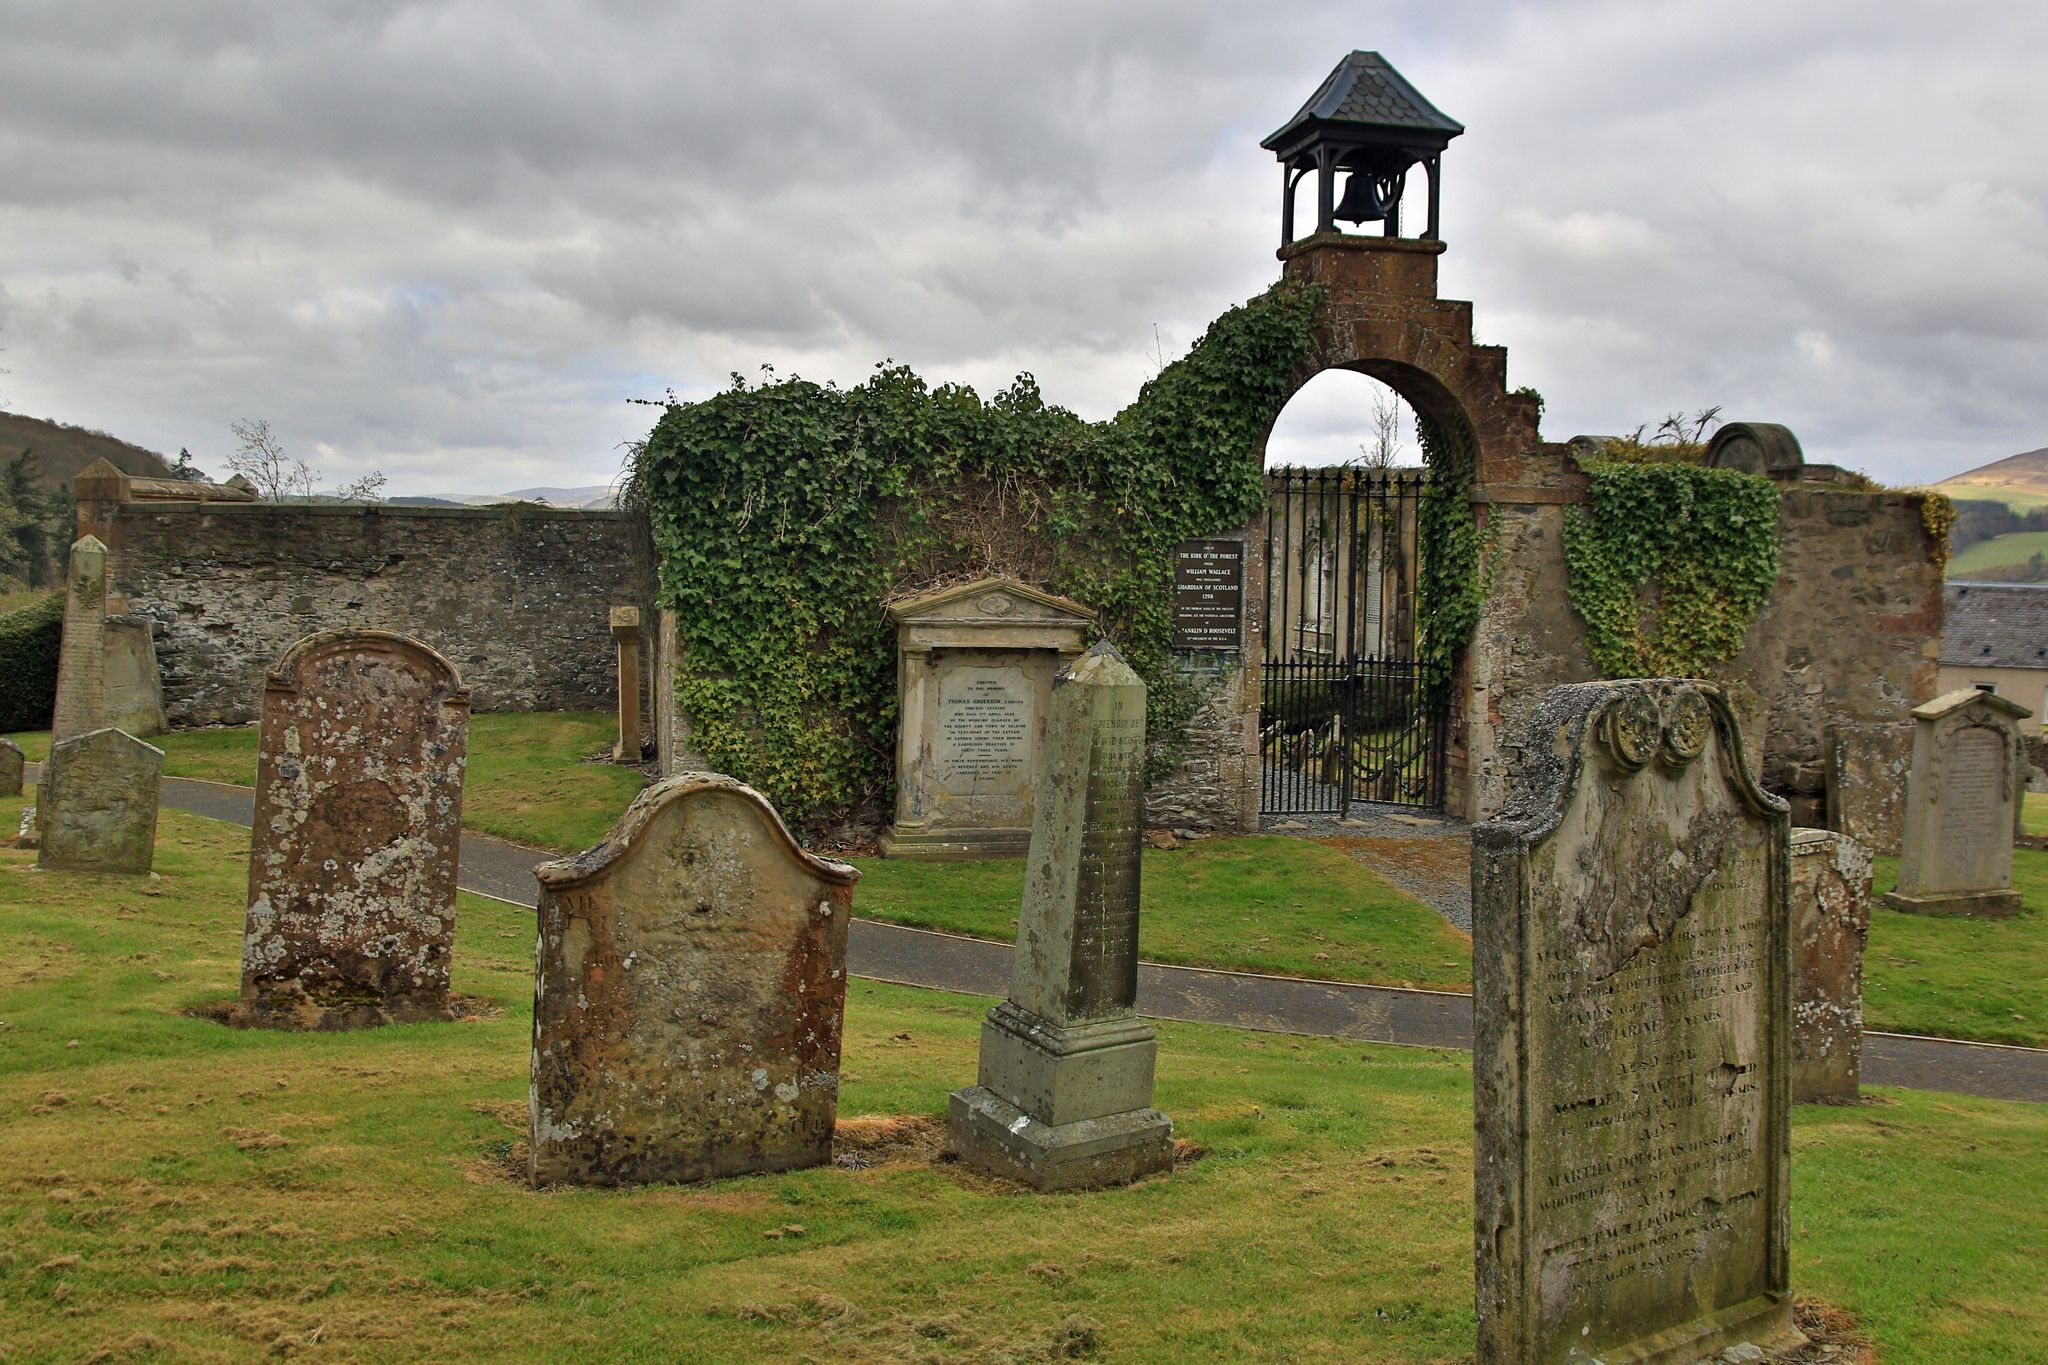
x=1996, y=625
x=1365, y=90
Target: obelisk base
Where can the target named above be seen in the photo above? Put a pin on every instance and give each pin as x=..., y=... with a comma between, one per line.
x=1062, y=1107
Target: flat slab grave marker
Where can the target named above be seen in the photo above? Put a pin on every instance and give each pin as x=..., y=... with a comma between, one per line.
x=1064, y=1097
x=97, y=803
x=1830, y=925
x=357, y=832
x=975, y=664
x=689, y=994
x=12, y=763
x=1963, y=805
x=1630, y=1000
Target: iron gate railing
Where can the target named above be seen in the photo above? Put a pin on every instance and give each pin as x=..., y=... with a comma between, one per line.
x=1346, y=711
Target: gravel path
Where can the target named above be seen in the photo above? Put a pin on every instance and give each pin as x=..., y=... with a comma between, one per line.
x=1428, y=856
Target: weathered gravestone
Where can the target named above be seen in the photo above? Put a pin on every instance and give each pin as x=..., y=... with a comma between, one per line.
x=1866, y=783
x=1830, y=922
x=689, y=990
x=1962, y=807
x=97, y=801
x=975, y=664
x=134, y=687
x=1065, y=1093
x=82, y=653
x=1630, y=1001
x=353, y=849
x=12, y=762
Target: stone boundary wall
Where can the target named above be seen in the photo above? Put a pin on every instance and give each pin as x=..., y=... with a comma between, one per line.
x=1849, y=637
x=515, y=597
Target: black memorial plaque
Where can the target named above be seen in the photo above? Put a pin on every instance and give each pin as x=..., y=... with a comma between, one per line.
x=1208, y=594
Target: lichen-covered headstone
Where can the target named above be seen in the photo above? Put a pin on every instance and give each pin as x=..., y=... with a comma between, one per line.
x=97, y=803
x=1630, y=997
x=12, y=762
x=1866, y=783
x=1064, y=1099
x=1962, y=807
x=82, y=654
x=689, y=991
x=354, y=846
x=1830, y=922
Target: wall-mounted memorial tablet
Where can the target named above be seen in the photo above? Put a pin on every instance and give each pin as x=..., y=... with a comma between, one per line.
x=975, y=664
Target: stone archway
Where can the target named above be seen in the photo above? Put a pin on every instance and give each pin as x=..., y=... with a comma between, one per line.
x=1380, y=316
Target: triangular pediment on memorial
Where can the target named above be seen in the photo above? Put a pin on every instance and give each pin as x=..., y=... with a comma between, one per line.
x=998, y=600
x=1950, y=702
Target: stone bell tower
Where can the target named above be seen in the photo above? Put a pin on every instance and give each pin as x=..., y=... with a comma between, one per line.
x=1366, y=121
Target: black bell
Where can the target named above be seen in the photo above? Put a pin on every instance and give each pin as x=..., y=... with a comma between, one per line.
x=1363, y=201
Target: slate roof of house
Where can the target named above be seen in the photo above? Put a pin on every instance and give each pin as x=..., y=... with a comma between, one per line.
x=1996, y=625
x=1364, y=89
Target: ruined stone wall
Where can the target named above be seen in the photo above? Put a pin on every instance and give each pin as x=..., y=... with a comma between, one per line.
x=515, y=598
x=1528, y=641
x=1852, y=634
x=1215, y=787
x=1849, y=637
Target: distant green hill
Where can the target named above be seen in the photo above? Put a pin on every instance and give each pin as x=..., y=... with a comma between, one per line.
x=61, y=450
x=2002, y=557
x=2020, y=481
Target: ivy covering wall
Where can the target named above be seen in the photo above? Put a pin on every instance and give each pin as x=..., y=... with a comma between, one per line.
x=1668, y=565
x=786, y=514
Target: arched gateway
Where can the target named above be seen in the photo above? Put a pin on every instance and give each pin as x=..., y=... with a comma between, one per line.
x=1395, y=701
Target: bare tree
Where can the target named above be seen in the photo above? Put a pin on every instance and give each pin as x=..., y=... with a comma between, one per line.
x=1385, y=446
x=282, y=477
x=369, y=488
x=262, y=460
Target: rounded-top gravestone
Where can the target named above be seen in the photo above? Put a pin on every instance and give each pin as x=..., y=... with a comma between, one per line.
x=354, y=846
x=1630, y=1068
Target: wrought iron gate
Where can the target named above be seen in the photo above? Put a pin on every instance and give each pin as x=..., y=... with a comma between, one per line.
x=1346, y=713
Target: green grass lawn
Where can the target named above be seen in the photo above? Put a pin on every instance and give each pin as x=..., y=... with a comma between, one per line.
x=1262, y=904
x=1961, y=978
x=179, y=1190
x=528, y=778
x=1997, y=553
x=2034, y=812
x=1287, y=906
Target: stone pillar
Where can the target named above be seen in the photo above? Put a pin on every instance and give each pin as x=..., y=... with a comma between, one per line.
x=82, y=658
x=626, y=631
x=1065, y=1093
x=1830, y=924
x=11, y=763
x=98, y=491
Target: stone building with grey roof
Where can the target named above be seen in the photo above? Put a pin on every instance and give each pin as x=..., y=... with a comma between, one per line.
x=1995, y=636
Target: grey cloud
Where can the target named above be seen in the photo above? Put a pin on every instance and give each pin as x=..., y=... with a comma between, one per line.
x=451, y=238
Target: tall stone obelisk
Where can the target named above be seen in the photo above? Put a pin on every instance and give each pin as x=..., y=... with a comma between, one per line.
x=1065, y=1094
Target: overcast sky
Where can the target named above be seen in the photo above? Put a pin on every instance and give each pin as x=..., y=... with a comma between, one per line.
x=451, y=240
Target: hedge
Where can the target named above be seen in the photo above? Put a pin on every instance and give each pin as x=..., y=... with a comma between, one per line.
x=29, y=639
